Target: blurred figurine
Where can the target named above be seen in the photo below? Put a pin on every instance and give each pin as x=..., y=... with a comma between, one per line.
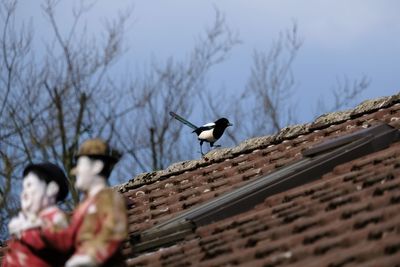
x=43, y=186
x=99, y=223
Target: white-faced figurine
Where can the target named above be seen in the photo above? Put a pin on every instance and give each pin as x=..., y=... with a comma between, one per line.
x=102, y=212
x=43, y=186
x=98, y=225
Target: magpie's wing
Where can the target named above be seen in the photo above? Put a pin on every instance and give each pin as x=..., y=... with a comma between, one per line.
x=205, y=127
x=208, y=126
x=179, y=118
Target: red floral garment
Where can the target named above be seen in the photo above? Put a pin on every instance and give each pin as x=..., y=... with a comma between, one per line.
x=98, y=227
x=21, y=254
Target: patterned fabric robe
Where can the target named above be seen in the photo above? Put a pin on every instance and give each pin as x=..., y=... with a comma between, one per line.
x=21, y=254
x=97, y=228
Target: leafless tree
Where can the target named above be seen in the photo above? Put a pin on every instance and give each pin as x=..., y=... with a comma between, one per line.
x=271, y=84
x=49, y=105
x=52, y=103
x=266, y=104
x=14, y=47
x=174, y=86
x=344, y=93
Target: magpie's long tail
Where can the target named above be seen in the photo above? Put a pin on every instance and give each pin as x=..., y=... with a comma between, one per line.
x=179, y=118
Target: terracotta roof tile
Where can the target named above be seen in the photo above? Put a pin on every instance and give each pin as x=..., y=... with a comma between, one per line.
x=348, y=217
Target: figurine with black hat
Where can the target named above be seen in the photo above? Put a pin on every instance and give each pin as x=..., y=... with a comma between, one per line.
x=43, y=185
x=99, y=223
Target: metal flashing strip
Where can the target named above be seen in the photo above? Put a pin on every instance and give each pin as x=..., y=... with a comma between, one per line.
x=310, y=169
x=320, y=160
x=214, y=204
x=150, y=240
x=346, y=139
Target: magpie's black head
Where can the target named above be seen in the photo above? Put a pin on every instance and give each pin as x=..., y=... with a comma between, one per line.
x=222, y=122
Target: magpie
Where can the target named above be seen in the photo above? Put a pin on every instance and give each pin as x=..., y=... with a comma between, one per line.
x=209, y=132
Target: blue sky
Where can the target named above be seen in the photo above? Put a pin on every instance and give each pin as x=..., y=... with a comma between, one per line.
x=352, y=38
x=341, y=37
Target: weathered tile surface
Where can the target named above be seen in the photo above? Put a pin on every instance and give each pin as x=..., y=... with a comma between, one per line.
x=350, y=217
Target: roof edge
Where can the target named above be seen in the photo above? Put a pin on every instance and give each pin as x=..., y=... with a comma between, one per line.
x=249, y=145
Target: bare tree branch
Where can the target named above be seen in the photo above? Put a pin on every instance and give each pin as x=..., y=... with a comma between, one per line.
x=344, y=93
x=175, y=86
x=51, y=104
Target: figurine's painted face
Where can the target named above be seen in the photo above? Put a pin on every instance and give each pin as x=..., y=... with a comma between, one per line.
x=87, y=171
x=33, y=193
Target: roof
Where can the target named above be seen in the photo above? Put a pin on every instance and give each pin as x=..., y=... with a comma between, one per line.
x=347, y=216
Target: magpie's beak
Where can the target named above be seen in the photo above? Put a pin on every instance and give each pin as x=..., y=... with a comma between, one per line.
x=230, y=124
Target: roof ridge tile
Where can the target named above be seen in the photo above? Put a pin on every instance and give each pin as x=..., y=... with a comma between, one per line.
x=249, y=145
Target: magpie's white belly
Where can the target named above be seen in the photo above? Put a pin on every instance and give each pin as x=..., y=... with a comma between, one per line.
x=207, y=136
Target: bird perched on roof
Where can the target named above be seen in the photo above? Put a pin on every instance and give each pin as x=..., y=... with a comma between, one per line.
x=209, y=132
